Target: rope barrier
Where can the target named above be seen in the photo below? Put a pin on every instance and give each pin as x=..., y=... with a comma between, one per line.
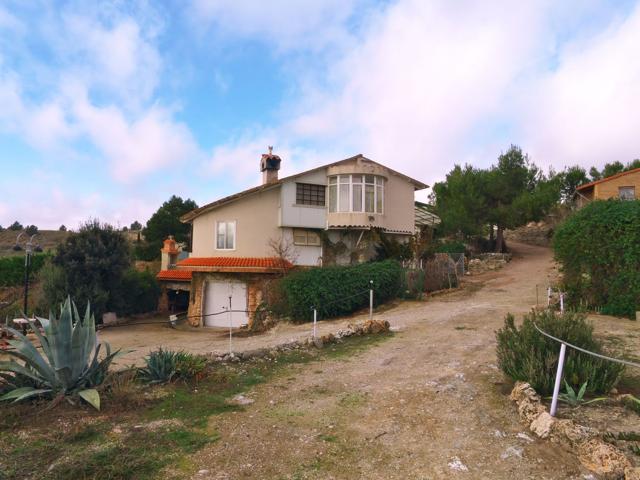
x=604, y=357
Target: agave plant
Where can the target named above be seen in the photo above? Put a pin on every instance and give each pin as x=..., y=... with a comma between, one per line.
x=576, y=399
x=70, y=364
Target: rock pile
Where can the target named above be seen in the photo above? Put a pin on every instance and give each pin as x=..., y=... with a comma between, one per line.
x=533, y=233
x=370, y=327
x=487, y=262
x=602, y=458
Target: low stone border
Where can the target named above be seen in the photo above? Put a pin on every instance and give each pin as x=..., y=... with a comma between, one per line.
x=370, y=327
x=594, y=453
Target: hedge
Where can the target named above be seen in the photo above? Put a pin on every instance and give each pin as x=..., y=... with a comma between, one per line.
x=12, y=269
x=599, y=249
x=338, y=290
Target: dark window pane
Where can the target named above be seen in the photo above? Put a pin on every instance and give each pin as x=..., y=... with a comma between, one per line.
x=310, y=194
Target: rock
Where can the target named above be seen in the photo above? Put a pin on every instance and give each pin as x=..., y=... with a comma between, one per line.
x=456, y=465
x=318, y=342
x=240, y=400
x=569, y=431
x=203, y=472
x=511, y=452
x=542, y=425
x=528, y=401
x=603, y=459
x=524, y=436
x=632, y=473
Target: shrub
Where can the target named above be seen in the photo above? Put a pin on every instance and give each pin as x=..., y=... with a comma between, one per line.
x=337, y=290
x=12, y=269
x=189, y=365
x=138, y=293
x=599, y=249
x=451, y=247
x=527, y=355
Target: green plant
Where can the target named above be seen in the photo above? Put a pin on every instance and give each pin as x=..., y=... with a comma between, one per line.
x=577, y=399
x=138, y=293
x=337, y=290
x=599, y=249
x=189, y=365
x=160, y=366
x=12, y=268
x=525, y=354
x=70, y=365
x=451, y=247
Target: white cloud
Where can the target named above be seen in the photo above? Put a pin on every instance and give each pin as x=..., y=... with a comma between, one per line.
x=587, y=110
x=286, y=24
x=147, y=143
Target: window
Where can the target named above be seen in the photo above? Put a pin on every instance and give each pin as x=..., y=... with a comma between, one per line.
x=225, y=235
x=309, y=194
x=356, y=193
x=627, y=193
x=306, y=237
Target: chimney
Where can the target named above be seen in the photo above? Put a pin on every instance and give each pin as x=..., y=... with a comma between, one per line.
x=169, y=254
x=269, y=166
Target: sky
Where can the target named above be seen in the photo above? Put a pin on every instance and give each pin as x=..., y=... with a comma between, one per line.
x=109, y=108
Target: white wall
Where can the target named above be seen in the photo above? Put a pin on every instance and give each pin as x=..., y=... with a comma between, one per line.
x=303, y=216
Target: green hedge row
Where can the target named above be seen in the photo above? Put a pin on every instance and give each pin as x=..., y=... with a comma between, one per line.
x=599, y=249
x=338, y=290
x=12, y=269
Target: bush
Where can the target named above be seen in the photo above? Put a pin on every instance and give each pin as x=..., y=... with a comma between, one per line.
x=337, y=290
x=599, y=249
x=527, y=355
x=451, y=247
x=138, y=293
x=12, y=269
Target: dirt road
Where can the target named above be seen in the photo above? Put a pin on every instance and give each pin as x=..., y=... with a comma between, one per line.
x=428, y=403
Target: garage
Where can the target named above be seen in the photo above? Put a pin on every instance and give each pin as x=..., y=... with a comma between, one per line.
x=216, y=300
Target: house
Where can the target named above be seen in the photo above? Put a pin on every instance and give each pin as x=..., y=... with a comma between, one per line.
x=331, y=214
x=624, y=185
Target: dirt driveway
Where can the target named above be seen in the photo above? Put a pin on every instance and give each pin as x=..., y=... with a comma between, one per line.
x=428, y=403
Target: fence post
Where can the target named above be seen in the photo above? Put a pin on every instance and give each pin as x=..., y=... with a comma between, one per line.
x=561, y=302
x=230, y=327
x=556, y=387
x=548, y=296
x=371, y=300
x=315, y=321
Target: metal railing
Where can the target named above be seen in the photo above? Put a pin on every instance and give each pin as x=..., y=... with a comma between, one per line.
x=563, y=349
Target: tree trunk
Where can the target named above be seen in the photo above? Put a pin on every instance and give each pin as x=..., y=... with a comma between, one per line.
x=491, y=233
x=499, y=239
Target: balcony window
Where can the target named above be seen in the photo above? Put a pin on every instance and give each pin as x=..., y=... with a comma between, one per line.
x=306, y=238
x=356, y=193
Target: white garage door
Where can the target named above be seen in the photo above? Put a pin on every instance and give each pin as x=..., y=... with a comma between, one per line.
x=216, y=300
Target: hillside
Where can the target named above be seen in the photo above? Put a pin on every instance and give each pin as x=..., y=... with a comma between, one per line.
x=47, y=239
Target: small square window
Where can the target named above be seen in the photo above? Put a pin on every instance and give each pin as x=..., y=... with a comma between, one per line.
x=310, y=194
x=627, y=193
x=306, y=238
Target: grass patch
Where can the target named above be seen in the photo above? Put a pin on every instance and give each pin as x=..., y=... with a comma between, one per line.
x=28, y=449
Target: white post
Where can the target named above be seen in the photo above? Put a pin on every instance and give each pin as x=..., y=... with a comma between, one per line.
x=549, y=297
x=556, y=387
x=561, y=302
x=371, y=300
x=230, y=327
x=315, y=321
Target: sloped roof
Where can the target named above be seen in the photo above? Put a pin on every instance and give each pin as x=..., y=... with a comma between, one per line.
x=186, y=218
x=617, y=175
x=239, y=262
x=175, y=275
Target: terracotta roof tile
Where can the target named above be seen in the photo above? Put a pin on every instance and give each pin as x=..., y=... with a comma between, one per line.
x=241, y=262
x=178, y=275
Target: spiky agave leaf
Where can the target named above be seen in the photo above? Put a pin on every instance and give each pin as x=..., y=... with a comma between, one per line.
x=91, y=396
x=23, y=392
x=25, y=351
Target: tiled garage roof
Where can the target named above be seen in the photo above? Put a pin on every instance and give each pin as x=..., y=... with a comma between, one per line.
x=176, y=275
x=240, y=262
